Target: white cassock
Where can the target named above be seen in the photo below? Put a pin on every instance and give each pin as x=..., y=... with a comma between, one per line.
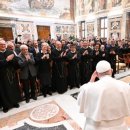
x=105, y=103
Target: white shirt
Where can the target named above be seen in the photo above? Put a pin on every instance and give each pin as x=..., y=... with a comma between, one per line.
x=105, y=101
x=36, y=49
x=15, y=53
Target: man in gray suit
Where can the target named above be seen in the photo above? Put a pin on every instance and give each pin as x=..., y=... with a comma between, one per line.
x=28, y=72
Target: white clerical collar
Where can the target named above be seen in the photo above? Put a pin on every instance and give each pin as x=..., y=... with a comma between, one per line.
x=85, y=47
x=73, y=51
x=2, y=51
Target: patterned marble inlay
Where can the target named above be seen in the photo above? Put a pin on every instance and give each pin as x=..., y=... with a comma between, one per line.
x=44, y=112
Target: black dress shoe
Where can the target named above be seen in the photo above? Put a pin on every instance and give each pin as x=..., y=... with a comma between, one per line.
x=78, y=86
x=50, y=93
x=27, y=100
x=5, y=110
x=34, y=98
x=44, y=95
x=71, y=87
x=16, y=105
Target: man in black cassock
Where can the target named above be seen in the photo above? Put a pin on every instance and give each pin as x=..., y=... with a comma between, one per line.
x=112, y=52
x=73, y=58
x=9, y=92
x=104, y=55
x=96, y=56
x=85, y=63
x=58, y=75
x=43, y=59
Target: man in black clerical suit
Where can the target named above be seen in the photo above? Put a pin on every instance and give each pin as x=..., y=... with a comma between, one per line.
x=104, y=55
x=9, y=92
x=85, y=63
x=112, y=52
x=58, y=74
x=96, y=55
x=73, y=58
x=43, y=60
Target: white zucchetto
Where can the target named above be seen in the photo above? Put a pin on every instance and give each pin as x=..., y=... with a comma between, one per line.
x=103, y=66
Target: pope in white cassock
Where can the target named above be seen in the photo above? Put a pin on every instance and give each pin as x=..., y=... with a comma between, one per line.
x=105, y=102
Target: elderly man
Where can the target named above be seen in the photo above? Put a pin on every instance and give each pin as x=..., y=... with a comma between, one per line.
x=86, y=62
x=58, y=73
x=27, y=73
x=43, y=60
x=73, y=58
x=11, y=47
x=106, y=102
x=9, y=92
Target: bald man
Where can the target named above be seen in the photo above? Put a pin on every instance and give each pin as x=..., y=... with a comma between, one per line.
x=105, y=103
x=58, y=74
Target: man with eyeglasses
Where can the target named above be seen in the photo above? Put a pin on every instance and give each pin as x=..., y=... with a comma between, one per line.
x=9, y=92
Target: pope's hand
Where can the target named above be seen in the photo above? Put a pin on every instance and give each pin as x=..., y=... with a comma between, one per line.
x=94, y=76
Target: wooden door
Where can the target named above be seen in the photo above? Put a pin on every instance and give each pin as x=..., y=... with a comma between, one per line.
x=6, y=33
x=43, y=32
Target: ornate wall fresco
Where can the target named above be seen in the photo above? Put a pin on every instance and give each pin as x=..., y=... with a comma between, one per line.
x=65, y=31
x=25, y=29
x=116, y=3
x=84, y=7
x=115, y=28
x=90, y=30
x=45, y=8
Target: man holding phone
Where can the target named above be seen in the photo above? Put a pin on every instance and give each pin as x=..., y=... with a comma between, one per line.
x=106, y=102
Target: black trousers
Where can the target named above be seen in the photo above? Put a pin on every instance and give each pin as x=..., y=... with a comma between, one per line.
x=45, y=89
x=29, y=84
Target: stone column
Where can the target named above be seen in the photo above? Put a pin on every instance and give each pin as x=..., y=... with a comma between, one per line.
x=34, y=32
x=127, y=31
x=108, y=27
x=96, y=27
x=125, y=20
x=77, y=30
x=53, y=32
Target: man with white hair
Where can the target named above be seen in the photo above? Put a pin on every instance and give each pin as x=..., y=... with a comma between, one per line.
x=106, y=102
x=43, y=60
x=11, y=46
x=58, y=69
x=28, y=72
x=9, y=92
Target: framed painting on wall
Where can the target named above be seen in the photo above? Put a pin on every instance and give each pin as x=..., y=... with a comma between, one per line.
x=115, y=25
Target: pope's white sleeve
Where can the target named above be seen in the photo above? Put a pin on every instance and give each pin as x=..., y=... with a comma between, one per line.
x=82, y=97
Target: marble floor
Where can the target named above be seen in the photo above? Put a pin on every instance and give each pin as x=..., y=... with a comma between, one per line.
x=65, y=116
x=68, y=112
